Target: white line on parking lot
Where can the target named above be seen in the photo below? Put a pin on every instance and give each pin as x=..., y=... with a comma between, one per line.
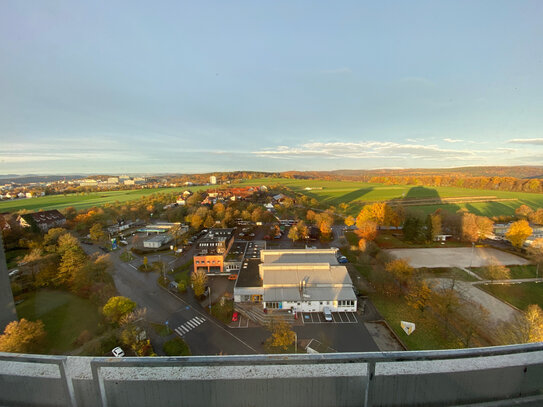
x=134, y=267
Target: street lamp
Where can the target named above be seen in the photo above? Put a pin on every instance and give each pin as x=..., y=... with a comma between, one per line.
x=209, y=297
x=295, y=342
x=472, y=250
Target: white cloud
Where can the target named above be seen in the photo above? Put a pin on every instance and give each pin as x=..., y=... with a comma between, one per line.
x=534, y=141
x=453, y=140
x=367, y=150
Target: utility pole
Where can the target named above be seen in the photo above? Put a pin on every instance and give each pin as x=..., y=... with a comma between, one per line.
x=209, y=298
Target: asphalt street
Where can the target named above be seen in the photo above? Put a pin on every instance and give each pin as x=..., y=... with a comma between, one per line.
x=204, y=334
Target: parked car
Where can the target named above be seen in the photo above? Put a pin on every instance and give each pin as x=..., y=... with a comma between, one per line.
x=342, y=260
x=235, y=316
x=118, y=352
x=232, y=277
x=327, y=314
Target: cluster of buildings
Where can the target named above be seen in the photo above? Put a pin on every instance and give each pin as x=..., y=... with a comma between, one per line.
x=112, y=181
x=229, y=194
x=294, y=280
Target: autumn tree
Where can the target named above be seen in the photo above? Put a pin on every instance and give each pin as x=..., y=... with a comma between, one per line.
x=367, y=230
x=537, y=217
x=97, y=233
x=198, y=279
x=401, y=270
x=527, y=327
x=470, y=230
x=70, y=263
x=523, y=212
x=437, y=228
x=293, y=234
x=419, y=296
x=362, y=245
x=535, y=251
x=282, y=336
x=518, y=233
x=485, y=227
x=497, y=271
x=117, y=307
x=350, y=221
x=23, y=336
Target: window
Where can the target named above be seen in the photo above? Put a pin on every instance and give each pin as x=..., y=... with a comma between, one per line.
x=272, y=305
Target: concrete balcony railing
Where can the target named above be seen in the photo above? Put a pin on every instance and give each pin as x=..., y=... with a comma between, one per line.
x=486, y=376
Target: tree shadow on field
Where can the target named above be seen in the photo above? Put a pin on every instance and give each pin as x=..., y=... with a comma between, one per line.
x=354, y=195
x=420, y=192
x=491, y=209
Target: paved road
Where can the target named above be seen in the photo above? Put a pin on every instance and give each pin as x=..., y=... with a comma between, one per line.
x=208, y=338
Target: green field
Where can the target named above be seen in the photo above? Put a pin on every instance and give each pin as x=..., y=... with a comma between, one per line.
x=85, y=200
x=65, y=316
x=359, y=193
x=519, y=295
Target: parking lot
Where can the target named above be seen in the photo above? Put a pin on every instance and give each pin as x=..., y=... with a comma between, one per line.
x=318, y=318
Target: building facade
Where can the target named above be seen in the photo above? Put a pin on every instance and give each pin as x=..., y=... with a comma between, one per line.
x=212, y=249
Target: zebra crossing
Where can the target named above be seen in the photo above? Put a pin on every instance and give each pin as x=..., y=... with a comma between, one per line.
x=189, y=325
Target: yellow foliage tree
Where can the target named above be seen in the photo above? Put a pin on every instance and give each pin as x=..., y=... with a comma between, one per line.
x=518, y=232
x=23, y=337
x=282, y=336
x=419, y=296
x=199, y=280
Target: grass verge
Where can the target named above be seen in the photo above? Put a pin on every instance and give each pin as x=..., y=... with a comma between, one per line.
x=176, y=347
x=520, y=295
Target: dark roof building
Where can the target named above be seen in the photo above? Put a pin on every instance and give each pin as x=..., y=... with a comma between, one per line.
x=42, y=220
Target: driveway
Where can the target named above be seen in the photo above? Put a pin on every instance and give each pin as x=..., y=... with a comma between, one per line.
x=498, y=310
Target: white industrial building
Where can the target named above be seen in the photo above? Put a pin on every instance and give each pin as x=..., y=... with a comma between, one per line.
x=300, y=280
x=157, y=241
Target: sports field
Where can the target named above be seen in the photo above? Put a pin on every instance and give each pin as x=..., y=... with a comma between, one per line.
x=336, y=192
x=85, y=200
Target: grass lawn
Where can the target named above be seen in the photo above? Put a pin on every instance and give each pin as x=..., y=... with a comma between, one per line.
x=182, y=273
x=358, y=193
x=65, y=316
x=86, y=200
x=527, y=271
x=176, y=347
x=426, y=335
x=394, y=240
x=519, y=295
x=161, y=329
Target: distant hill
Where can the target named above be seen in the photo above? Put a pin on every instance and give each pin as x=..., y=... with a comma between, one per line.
x=522, y=172
x=28, y=178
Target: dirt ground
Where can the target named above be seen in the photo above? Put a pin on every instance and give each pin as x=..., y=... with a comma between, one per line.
x=456, y=257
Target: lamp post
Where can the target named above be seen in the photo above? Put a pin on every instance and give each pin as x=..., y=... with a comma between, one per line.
x=295, y=342
x=209, y=298
x=472, y=250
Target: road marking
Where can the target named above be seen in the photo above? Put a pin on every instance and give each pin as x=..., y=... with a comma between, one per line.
x=210, y=320
x=134, y=267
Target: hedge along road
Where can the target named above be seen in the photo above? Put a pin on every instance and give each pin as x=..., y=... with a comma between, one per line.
x=87, y=200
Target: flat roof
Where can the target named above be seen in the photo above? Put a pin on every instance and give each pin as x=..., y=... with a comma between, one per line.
x=310, y=294
x=317, y=274
x=299, y=256
x=249, y=275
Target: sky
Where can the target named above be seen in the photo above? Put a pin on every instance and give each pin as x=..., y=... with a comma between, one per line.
x=175, y=86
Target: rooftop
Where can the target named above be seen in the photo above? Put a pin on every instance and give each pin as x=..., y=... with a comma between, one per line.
x=299, y=256
x=249, y=275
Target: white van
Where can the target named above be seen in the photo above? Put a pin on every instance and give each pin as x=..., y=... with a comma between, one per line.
x=327, y=314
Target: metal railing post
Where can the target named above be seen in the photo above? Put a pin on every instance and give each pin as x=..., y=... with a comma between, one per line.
x=369, y=381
